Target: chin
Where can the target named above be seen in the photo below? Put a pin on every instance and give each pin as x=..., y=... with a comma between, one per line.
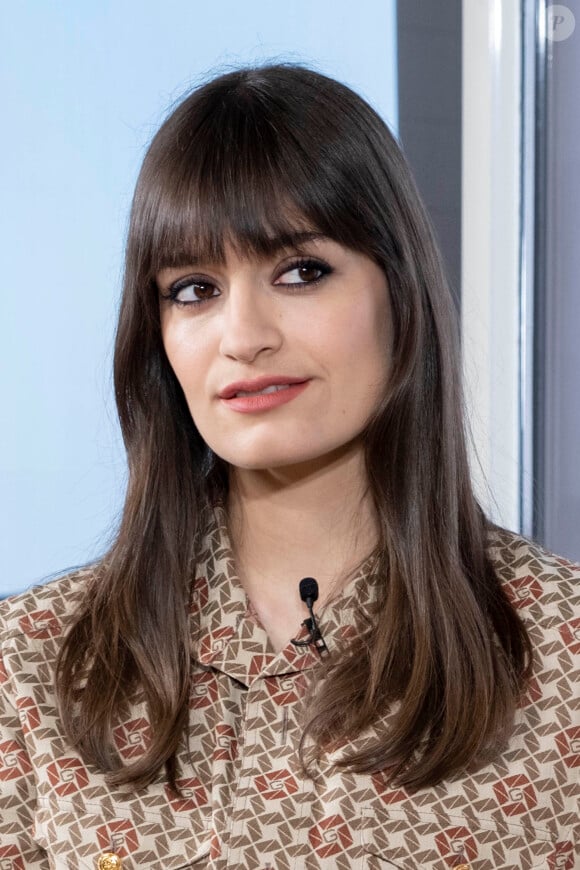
x=306, y=460
x=263, y=462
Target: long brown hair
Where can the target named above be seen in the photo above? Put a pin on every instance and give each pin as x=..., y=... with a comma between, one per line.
x=245, y=158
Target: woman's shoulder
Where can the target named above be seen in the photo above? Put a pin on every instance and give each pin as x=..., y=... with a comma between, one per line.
x=44, y=610
x=536, y=580
x=33, y=625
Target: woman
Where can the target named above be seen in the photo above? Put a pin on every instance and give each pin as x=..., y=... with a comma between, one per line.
x=287, y=378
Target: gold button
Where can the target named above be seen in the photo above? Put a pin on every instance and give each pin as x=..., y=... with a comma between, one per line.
x=109, y=861
x=462, y=867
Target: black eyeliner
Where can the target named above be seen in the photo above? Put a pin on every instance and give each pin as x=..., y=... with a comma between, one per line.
x=303, y=262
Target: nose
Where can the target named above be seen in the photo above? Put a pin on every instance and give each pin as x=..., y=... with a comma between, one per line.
x=250, y=322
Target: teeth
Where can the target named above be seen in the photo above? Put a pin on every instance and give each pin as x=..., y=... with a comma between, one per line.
x=271, y=389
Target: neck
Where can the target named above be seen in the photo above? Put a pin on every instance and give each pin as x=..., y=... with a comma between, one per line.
x=314, y=519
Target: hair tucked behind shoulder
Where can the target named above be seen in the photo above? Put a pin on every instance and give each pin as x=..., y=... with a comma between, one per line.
x=248, y=157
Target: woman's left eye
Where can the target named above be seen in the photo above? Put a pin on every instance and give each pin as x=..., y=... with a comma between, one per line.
x=305, y=272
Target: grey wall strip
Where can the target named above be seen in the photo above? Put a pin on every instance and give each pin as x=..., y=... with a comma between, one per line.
x=429, y=39
x=528, y=247
x=557, y=282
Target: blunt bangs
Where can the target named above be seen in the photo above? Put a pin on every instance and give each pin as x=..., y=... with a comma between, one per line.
x=237, y=166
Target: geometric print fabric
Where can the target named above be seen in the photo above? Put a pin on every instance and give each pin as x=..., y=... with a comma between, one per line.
x=245, y=802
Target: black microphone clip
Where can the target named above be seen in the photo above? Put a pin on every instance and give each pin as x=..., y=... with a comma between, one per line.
x=308, y=588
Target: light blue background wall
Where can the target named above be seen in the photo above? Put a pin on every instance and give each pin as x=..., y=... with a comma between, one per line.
x=84, y=87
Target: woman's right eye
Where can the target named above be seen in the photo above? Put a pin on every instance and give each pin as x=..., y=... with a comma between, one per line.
x=187, y=291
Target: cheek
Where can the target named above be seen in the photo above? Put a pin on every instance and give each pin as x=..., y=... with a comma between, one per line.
x=362, y=339
x=185, y=352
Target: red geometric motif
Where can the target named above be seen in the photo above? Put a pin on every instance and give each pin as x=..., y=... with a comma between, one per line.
x=258, y=663
x=40, y=624
x=32, y=718
x=276, y=785
x=3, y=674
x=384, y=791
x=568, y=743
x=11, y=858
x=68, y=775
x=200, y=595
x=456, y=846
x=194, y=795
x=347, y=633
x=523, y=591
x=330, y=837
x=215, y=848
x=214, y=643
x=532, y=694
x=204, y=690
x=14, y=761
x=562, y=858
x=570, y=632
x=515, y=795
x=300, y=660
x=120, y=837
x=226, y=743
x=132, y=738
x=282, y=690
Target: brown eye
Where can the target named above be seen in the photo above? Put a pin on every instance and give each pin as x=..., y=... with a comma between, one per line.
x=188, y=291
x=305, y=272
x=203, y=291
x=309, y=273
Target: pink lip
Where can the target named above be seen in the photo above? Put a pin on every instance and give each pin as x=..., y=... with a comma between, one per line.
x=258, y=384
x=250, y=404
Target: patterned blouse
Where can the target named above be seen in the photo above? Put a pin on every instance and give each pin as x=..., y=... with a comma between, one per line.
x=245, y=803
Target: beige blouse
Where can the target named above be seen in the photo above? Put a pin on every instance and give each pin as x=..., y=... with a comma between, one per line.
x=245, y=803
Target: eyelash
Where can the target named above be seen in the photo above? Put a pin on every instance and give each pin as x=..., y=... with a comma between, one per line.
x=307, y=262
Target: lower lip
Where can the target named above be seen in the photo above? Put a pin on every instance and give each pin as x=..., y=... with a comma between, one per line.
x=248, y=404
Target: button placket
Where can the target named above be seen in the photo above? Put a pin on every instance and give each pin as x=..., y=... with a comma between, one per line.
x=243, y=788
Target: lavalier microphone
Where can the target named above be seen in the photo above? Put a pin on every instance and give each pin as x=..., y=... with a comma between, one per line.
x=308, y=588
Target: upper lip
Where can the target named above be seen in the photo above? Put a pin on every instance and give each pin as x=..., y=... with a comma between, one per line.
x=258, y=384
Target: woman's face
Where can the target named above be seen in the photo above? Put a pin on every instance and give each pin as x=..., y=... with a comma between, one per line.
x=318, y=312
